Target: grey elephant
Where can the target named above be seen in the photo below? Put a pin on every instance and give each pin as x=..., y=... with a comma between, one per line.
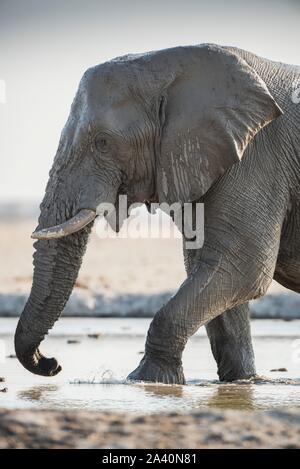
x=200, y=123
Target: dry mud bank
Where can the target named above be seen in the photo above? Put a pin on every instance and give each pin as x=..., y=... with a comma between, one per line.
x=203, y=429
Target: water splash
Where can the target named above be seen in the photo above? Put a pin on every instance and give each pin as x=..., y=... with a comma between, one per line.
x=103, y=376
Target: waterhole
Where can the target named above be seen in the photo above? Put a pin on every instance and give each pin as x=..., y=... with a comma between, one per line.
x=97, y=355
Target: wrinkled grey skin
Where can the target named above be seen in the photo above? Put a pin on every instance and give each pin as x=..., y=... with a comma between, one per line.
x=203, y=123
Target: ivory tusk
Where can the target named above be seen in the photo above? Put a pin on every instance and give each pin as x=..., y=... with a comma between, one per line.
x=79, y=221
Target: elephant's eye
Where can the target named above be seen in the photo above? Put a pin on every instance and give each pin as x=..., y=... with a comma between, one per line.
x=101, y=144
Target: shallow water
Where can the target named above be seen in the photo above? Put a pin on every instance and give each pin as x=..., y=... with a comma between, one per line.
x=94, y=370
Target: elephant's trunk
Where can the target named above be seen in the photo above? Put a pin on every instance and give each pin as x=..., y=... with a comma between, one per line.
x=56, y=266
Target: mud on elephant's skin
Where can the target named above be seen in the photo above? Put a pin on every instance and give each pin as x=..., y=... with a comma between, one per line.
x=200, y=123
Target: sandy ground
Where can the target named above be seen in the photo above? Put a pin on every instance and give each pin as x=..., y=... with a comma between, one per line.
x=119, y=277
x=203, y=429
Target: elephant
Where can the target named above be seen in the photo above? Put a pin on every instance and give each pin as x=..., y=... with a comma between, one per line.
x=204, y=124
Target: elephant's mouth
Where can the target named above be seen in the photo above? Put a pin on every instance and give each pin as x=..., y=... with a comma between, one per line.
x=76, y=223
x=85, y=216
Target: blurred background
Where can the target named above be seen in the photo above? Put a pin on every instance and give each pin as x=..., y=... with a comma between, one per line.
x=45, y=47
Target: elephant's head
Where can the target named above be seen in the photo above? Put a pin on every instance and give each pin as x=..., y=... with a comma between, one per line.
x=162, y=127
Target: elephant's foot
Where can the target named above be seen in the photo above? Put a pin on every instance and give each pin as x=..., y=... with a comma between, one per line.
x=235, y=376
x=153, y=370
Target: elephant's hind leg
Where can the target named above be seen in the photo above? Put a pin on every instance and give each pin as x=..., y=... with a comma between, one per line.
x=231, y=344
x=229, y=335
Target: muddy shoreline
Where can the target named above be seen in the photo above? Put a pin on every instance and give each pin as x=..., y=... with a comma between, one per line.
x=201, y=429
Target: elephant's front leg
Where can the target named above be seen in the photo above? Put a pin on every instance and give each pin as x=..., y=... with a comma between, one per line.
x=209, y=291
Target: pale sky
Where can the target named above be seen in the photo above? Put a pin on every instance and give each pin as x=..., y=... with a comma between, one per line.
x=46, y=45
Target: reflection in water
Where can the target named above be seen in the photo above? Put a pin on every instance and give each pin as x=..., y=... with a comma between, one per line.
x=142, y=397
x=38, y=393
x=220, y=396
x=164, y=390
x=232, y=396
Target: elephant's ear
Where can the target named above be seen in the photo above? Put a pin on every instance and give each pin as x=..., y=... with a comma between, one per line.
x=212, y=110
